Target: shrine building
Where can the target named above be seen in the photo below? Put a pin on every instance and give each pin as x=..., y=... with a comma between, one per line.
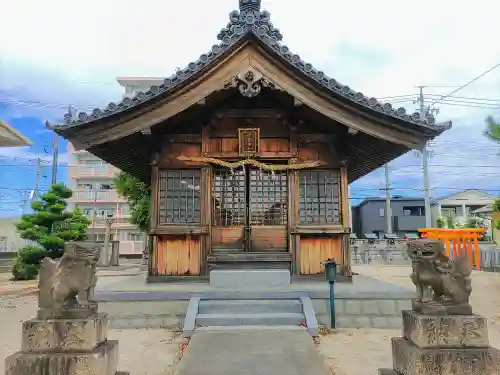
x=249, y=151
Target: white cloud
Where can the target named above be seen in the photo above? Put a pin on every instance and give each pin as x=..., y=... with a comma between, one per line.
x=382, y=48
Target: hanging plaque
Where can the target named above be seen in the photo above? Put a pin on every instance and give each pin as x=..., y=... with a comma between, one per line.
x=248, y=141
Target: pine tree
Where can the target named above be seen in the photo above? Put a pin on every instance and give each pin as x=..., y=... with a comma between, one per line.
x=492, y=128
x=50, y=225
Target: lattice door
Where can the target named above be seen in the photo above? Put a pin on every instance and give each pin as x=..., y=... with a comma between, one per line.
x=268, y=211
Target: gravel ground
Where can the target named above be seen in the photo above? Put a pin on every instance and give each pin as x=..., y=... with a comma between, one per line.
x=142, y=352
x=364, y=351
x=346, y=351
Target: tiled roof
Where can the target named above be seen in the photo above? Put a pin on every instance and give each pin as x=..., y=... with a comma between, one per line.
x=250, y=20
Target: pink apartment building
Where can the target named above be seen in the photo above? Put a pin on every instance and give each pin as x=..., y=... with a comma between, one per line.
x=91, y=180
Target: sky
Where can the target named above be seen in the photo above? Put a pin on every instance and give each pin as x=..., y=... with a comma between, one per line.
x=63, y=53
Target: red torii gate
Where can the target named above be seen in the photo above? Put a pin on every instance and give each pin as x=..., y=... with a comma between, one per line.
x=458, y=242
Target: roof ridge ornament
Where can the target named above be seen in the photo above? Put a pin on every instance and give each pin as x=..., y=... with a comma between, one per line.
x=250, y=5
x=250, y=17
x=250, y=83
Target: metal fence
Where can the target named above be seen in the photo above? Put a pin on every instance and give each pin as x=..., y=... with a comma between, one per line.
x=394, y=252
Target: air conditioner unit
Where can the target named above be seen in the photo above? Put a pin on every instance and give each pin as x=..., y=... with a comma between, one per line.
x=406, y=212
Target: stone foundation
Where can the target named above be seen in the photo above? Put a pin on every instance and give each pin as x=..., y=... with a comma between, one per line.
x=65, y=347
x=443, y=345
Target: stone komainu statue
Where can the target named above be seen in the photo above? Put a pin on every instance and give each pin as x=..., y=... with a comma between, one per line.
x=448, y=281
x=66, y=285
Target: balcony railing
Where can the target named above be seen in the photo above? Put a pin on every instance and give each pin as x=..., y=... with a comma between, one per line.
x=116, y=222
x=93, y=170
x=95, y=195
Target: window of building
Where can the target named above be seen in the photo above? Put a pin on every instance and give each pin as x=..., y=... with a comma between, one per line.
x=319, y=197
x=100, y=237
x=414, y=211
x=106, y=212
x=88, y=211
x=106, y=186
x=133, y=236
x=87, y=186
x=179, y=196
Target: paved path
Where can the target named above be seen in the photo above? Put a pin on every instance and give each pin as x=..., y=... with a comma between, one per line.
x=259, y=352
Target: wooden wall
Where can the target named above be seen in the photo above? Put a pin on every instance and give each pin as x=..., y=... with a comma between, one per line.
x=178, y=256
x=314, y=250
x=274, y=134
x=178, y=252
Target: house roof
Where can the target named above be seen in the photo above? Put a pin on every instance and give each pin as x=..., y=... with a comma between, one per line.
x=453, y=195
x=484, y=210
x=252, y=22
x=10, y=137
x=393, y=199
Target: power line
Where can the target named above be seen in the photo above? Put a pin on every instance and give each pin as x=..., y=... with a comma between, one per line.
x=414, y=97
x=465, y=85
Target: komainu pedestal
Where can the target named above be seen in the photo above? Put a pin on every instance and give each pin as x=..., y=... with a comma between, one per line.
x=441, y=335
x=69, y=336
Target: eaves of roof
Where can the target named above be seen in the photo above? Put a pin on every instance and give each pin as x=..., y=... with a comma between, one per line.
x=403, y=199
x=14, y=138
x=252, y=22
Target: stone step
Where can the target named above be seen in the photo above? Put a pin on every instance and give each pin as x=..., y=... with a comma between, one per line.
x=266, y=319
x=250, y=278
x=249, y=306
x=251, y=256
x=252, y=328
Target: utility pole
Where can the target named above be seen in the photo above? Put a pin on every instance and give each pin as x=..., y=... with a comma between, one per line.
x=425, y=163
x=55, y=156
x=38, y=175
x=388, y=211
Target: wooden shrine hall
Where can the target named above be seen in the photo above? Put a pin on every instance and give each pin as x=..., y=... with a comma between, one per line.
x=249, y=151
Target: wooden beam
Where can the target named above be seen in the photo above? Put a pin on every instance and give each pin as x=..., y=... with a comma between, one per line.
x=319, y=229
x=180, y=230
x=184, y=138
x=322, y=138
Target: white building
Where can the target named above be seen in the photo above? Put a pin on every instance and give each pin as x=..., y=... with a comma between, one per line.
x=464, y=205
x=91, y=180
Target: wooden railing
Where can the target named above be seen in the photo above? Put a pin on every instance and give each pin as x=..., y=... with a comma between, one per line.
x=458, y=242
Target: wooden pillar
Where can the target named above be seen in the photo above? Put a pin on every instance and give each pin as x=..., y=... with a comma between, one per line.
x=155, y=182
x=293, y=202
x=206, y=217
x=293, y=219
x=346, y=243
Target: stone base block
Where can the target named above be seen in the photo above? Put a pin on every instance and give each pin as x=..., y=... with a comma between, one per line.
x=64, y=335
x=102, y=361
x=445, y=331
x=250, y=278
x=441, y=309
x=408, y=359
x=68, y=313
x=386, y=371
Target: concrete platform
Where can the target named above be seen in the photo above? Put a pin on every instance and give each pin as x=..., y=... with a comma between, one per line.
x=366, y=302
x=250, y=278
x=259, y=352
